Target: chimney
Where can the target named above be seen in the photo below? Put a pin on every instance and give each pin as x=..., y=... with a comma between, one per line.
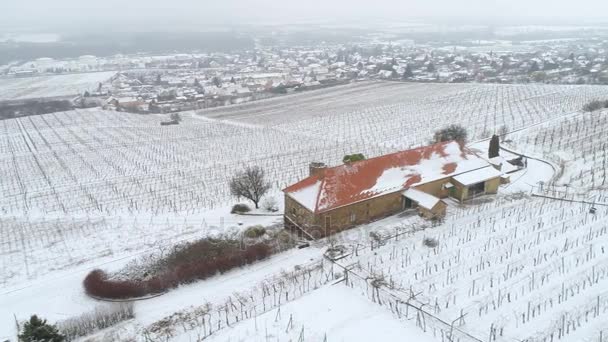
x=316, y=168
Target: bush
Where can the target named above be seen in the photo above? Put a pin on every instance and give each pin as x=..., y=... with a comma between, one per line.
x=430, y=242
x=255, y=232
x=452, y=132
x=351, y=158
x=36, y=330
x=595, y=105
x=102, y=317
x=270, y=204
x=240, y=208
x=186, y=263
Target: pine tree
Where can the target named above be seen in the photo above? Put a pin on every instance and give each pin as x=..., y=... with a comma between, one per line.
x=494, y=149
x=37, y=330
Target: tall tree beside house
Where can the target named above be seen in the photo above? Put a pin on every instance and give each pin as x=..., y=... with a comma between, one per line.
x=250, y=184
x=494, y=149
x=451, y=133
x=431, y=67
x=159, y=79
x=216, y=81
x=37, y=330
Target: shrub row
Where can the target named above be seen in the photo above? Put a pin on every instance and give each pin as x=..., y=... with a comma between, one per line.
x=102, y=317
x=182, y=270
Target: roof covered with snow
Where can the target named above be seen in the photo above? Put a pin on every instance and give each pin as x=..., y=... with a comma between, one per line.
x=350, y=183
x=477, y=176
x=423, y=199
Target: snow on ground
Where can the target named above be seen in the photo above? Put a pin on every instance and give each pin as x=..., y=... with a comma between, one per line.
x=64, y=243
x=537, y=170
x=20, y=88
x=332, y=313
x=91, y=188
x=60, y=295
x=575, y=144
x=520, y=268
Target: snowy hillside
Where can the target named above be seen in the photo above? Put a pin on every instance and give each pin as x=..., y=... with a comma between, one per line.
x=97, y=189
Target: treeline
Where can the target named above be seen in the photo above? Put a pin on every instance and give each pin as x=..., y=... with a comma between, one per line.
x=9, y=110
x=126, y=43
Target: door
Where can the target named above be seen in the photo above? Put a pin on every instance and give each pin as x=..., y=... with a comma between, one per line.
x=327, y=223
x=407, y=203
x=477, y=190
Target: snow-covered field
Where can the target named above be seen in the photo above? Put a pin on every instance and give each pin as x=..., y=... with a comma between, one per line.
x=50, y=86
x=577, y=145
x=92, y=188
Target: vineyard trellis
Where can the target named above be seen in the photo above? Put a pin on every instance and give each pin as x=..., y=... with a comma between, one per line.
x=534, y=261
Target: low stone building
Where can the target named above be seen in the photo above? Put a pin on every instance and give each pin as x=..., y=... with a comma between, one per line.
x=337, y=198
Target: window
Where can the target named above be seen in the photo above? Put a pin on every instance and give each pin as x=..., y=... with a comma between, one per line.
x=353, y=217
x=294, y=211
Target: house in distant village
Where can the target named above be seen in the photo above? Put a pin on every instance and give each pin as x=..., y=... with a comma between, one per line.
x=337, y=198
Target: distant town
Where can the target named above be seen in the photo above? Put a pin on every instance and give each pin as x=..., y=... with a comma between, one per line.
x=183, y=81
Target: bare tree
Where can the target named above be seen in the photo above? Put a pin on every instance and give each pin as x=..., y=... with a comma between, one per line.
x=502, y=132
x=250, y=184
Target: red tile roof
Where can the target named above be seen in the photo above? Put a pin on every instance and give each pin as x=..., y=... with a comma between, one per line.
x=349, y=183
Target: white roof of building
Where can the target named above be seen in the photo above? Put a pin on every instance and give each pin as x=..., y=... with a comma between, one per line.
x=497, y=160
x=505, y=166
x=423, y=199
x=477, y=176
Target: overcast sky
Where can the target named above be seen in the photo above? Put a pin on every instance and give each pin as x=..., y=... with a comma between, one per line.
x=53, y=13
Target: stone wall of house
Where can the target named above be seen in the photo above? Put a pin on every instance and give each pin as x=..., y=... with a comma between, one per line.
x=298, y=214
x=492, y=185
x=359, y=213
x=436, y=188
x=374, y=209
x=461, y=192
x=439, y=210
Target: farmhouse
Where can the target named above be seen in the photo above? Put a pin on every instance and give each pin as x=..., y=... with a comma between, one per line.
x=333, y=199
